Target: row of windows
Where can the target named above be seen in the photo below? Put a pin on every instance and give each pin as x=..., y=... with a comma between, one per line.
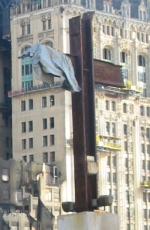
x=145, y=148
x=144, y=111
x=45, y=142
x=31, y=158
x=111, y=107
x=147, y=133
x=24, y=126
x=47, y=25
x=112, y=161
x=110, y=30
x=8, y=142
x=51, y=123
x=45, y=103
x=107, y=55
x=44, y=125
x=145, y=164
x=112, y=178
x=26, y=30
x=24, y=143
x=47, y=157
x=30, y=105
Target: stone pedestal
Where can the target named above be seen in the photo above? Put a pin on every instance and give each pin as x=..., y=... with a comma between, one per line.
x=88, y=221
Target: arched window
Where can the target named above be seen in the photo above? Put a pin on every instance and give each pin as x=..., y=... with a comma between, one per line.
x=141, y=61
x=49, y=43
x=26, y=64
x=106, y=54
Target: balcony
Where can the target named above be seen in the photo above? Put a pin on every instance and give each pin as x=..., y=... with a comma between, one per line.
x=36, y=88
x=145, y=184
x=130, y=87
x=107, y=144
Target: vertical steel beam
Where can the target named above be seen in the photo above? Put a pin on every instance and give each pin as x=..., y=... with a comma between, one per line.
x=83, y=107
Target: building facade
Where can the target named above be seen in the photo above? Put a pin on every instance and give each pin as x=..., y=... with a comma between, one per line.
x=41, y=114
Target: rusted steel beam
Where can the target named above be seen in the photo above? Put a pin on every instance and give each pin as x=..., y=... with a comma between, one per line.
x=83, y=108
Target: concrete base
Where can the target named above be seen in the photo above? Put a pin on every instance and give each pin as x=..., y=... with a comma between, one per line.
x=88, y=221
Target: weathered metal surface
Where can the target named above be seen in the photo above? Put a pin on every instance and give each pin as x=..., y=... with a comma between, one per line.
x=83, y=108
x=106, y=73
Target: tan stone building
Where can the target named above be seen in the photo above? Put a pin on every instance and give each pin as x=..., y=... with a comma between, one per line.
x=29, y=196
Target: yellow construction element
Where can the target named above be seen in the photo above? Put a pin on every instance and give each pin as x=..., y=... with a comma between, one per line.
x=128, y=85
x=145, y=184
x=106, y=142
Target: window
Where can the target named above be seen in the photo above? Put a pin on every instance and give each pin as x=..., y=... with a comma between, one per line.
x=27, y=79
x=115, y=209
x=7, y=142
x=30, y=104
x=49, y=24
x=126, y=178
x=31, y=158
x=114, y=194
x=23, y=127
x=148, y=111
x=141, y=61
x=127, y=196
x=148, y=165
x=30, y=126
x=143, y=164
x=45, y=123
x=44, y=140
x=44, y=25
x=52, y=157
x=148, y=149
x=144, y=213
x=23, y=30
x=123, y=57
x=142, y=110
x=48, y=195
x=23, y=144
x=113, y=106
x=124, y=107
x=108, y=177
x=52, y=100
x=143, y=148
x=44, y=3
x=148, y=132
x=49, y=44
x=114, y=178
x=144, y=196
x=107, y=127
x=45, y=157
x=5, y=174
x=28, y=28
x=108, y=160
x=125, y=146
x=44, y=102
x=126, y=162
x=23, y=106
x=114, y=161
x=142, y=131
x=113, y=128
x=107, y=105
x=30, y=143
x=127, y=212
x=106, y=54
x=112, y=31
x=52, y=139
x=24, y=158
x=125, y=129
x=51, y=122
